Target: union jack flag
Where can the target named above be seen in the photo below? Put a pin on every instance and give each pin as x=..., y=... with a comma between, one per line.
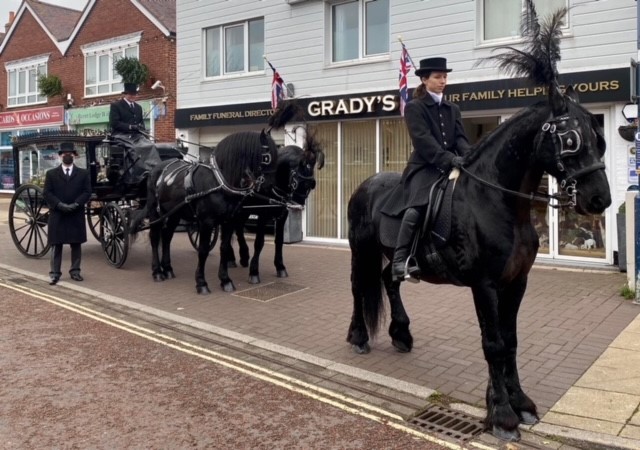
x=277, y=88
x=405, y=66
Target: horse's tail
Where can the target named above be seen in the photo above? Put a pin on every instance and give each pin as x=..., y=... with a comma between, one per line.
x=136, y=219
x=366, y=260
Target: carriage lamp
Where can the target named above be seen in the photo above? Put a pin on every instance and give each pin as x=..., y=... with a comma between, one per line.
x=630, y=113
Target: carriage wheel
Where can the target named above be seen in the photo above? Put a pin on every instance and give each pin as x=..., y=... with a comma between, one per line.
x=94, y=208
x=28, y=221
x=114, y=232
x=194, y=236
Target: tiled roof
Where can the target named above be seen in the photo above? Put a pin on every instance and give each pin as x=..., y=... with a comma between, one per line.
x=164, y=11
x=60, y=21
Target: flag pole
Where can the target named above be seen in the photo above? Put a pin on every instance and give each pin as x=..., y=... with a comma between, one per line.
x=408, y=54
x=289, y=93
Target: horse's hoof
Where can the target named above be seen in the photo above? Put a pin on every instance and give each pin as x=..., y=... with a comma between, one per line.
x=231, y=265
x=158, y=277
x=203, y=290
x=400, y=346
x=361, y=349
x=254, y=279
x=169, y=275
x=282, y=273
x=228, y=286
x=506, y=435
x=526, y=418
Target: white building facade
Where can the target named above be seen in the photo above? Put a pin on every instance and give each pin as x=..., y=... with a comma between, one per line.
x=341, y=60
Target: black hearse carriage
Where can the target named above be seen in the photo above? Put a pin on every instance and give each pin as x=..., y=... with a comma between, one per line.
x=118, y=183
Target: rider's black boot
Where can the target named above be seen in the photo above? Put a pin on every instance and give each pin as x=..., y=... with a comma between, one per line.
x=404, y=266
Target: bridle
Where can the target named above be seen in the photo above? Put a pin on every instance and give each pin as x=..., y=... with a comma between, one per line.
x=567, y=142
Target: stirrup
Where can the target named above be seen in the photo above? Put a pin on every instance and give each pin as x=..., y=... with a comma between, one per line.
x=407, y=274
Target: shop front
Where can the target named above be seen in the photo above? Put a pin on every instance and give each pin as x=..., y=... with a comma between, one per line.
x=95, y=119
x=363, y=133
x=16, y=123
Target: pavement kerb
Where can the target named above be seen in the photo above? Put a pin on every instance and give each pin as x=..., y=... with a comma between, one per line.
x=579, y=438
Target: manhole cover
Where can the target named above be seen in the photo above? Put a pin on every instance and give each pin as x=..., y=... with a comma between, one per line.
x=269, y=291
x=454, y=424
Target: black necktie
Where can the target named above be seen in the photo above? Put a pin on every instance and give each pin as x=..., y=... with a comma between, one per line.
x=68, y=170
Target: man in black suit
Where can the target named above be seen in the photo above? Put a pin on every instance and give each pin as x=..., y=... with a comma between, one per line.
x=67, y=188
x=125, y=115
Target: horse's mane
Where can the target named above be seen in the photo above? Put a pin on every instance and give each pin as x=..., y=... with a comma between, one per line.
x=242, y=151
x=537, y=61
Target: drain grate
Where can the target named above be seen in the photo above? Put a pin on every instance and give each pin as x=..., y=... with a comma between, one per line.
x=269, y=291
x=453, y=424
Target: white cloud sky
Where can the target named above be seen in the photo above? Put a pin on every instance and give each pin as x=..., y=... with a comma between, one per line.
x=13, y=5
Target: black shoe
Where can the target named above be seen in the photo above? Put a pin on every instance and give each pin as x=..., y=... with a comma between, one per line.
x=54, y=280
x=405, y=271
x=76, y=277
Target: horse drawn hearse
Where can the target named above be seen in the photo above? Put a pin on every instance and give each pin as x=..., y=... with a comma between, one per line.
x=118, y=170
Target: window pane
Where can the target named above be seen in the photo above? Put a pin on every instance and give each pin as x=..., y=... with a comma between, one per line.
x=377, y=27
x=33, y=82
x=546, y=7
x=256, y=45
x=131, y=52
x=212, y=51
x=322, y=206
x=104, y=68
x=345, y=31
x=234, y=49
x=358, y=161
x=13, y=87
x=91, y=70
x=396, y=145
x=22, y=82
x=501, y=19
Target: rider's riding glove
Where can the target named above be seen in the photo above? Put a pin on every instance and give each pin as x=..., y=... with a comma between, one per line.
x=457, y=161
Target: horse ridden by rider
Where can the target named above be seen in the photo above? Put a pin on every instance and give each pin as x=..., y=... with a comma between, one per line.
x=477, y=230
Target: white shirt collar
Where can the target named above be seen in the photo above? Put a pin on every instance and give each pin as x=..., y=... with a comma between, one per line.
x=436, y=97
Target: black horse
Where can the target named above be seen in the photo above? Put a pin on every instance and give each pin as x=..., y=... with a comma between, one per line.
x=492, y=243
x=208, y=195
x=295, y=178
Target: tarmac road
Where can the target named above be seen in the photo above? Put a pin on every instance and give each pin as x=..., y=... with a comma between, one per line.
x=73, y=380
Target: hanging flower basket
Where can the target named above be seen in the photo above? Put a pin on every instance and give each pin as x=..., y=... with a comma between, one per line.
x=628, y=132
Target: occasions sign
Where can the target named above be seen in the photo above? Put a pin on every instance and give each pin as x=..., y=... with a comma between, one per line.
x=600, y=86
x=32, y=118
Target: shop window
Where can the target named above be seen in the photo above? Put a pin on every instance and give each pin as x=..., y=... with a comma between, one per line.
x=396, y=145
x=501, y=19
x=358, y=161
x=101, y=77
x=23, y=81
x=359, y=29
x=234, y=48
x=322, y=204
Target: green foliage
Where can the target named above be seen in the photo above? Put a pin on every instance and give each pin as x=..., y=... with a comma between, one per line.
x=49, y=85
x=132, y=70
x=627, y=293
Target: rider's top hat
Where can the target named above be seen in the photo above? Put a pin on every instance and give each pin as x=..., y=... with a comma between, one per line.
x=130, y=88
x=432, y=65
x=67, y=147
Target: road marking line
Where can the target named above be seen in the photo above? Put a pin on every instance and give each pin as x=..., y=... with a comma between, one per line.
x=315, y=392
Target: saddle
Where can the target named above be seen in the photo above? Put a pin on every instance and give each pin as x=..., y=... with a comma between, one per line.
x=436, y=227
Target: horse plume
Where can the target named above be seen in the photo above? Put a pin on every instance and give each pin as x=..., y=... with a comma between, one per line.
x=286, y=111
x=538, y=59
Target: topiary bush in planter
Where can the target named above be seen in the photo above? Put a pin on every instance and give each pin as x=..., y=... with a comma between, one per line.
x=132, y=70
x=49, y=85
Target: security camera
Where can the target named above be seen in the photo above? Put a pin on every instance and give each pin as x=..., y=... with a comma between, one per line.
x=157, y=84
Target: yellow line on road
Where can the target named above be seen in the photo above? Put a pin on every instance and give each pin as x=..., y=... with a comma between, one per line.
x=335, y=399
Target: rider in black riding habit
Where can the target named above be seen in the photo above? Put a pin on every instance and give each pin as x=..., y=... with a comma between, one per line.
x=439, y=144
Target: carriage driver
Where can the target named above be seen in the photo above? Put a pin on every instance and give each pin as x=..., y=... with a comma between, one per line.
x=125, y=115
x=66, y=190
x=439, y=144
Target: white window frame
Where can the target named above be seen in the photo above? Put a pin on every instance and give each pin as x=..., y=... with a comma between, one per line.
x=362, y=32
x=222, y=70
x=30, y=92
x=509, y=39
x=103, y=55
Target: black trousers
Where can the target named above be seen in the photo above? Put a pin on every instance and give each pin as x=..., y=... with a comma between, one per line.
x=56, y=259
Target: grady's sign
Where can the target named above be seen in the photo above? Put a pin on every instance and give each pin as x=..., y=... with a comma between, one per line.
x=353, y=105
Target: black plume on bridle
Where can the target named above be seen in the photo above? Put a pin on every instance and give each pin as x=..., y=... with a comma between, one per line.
x=538, y=59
